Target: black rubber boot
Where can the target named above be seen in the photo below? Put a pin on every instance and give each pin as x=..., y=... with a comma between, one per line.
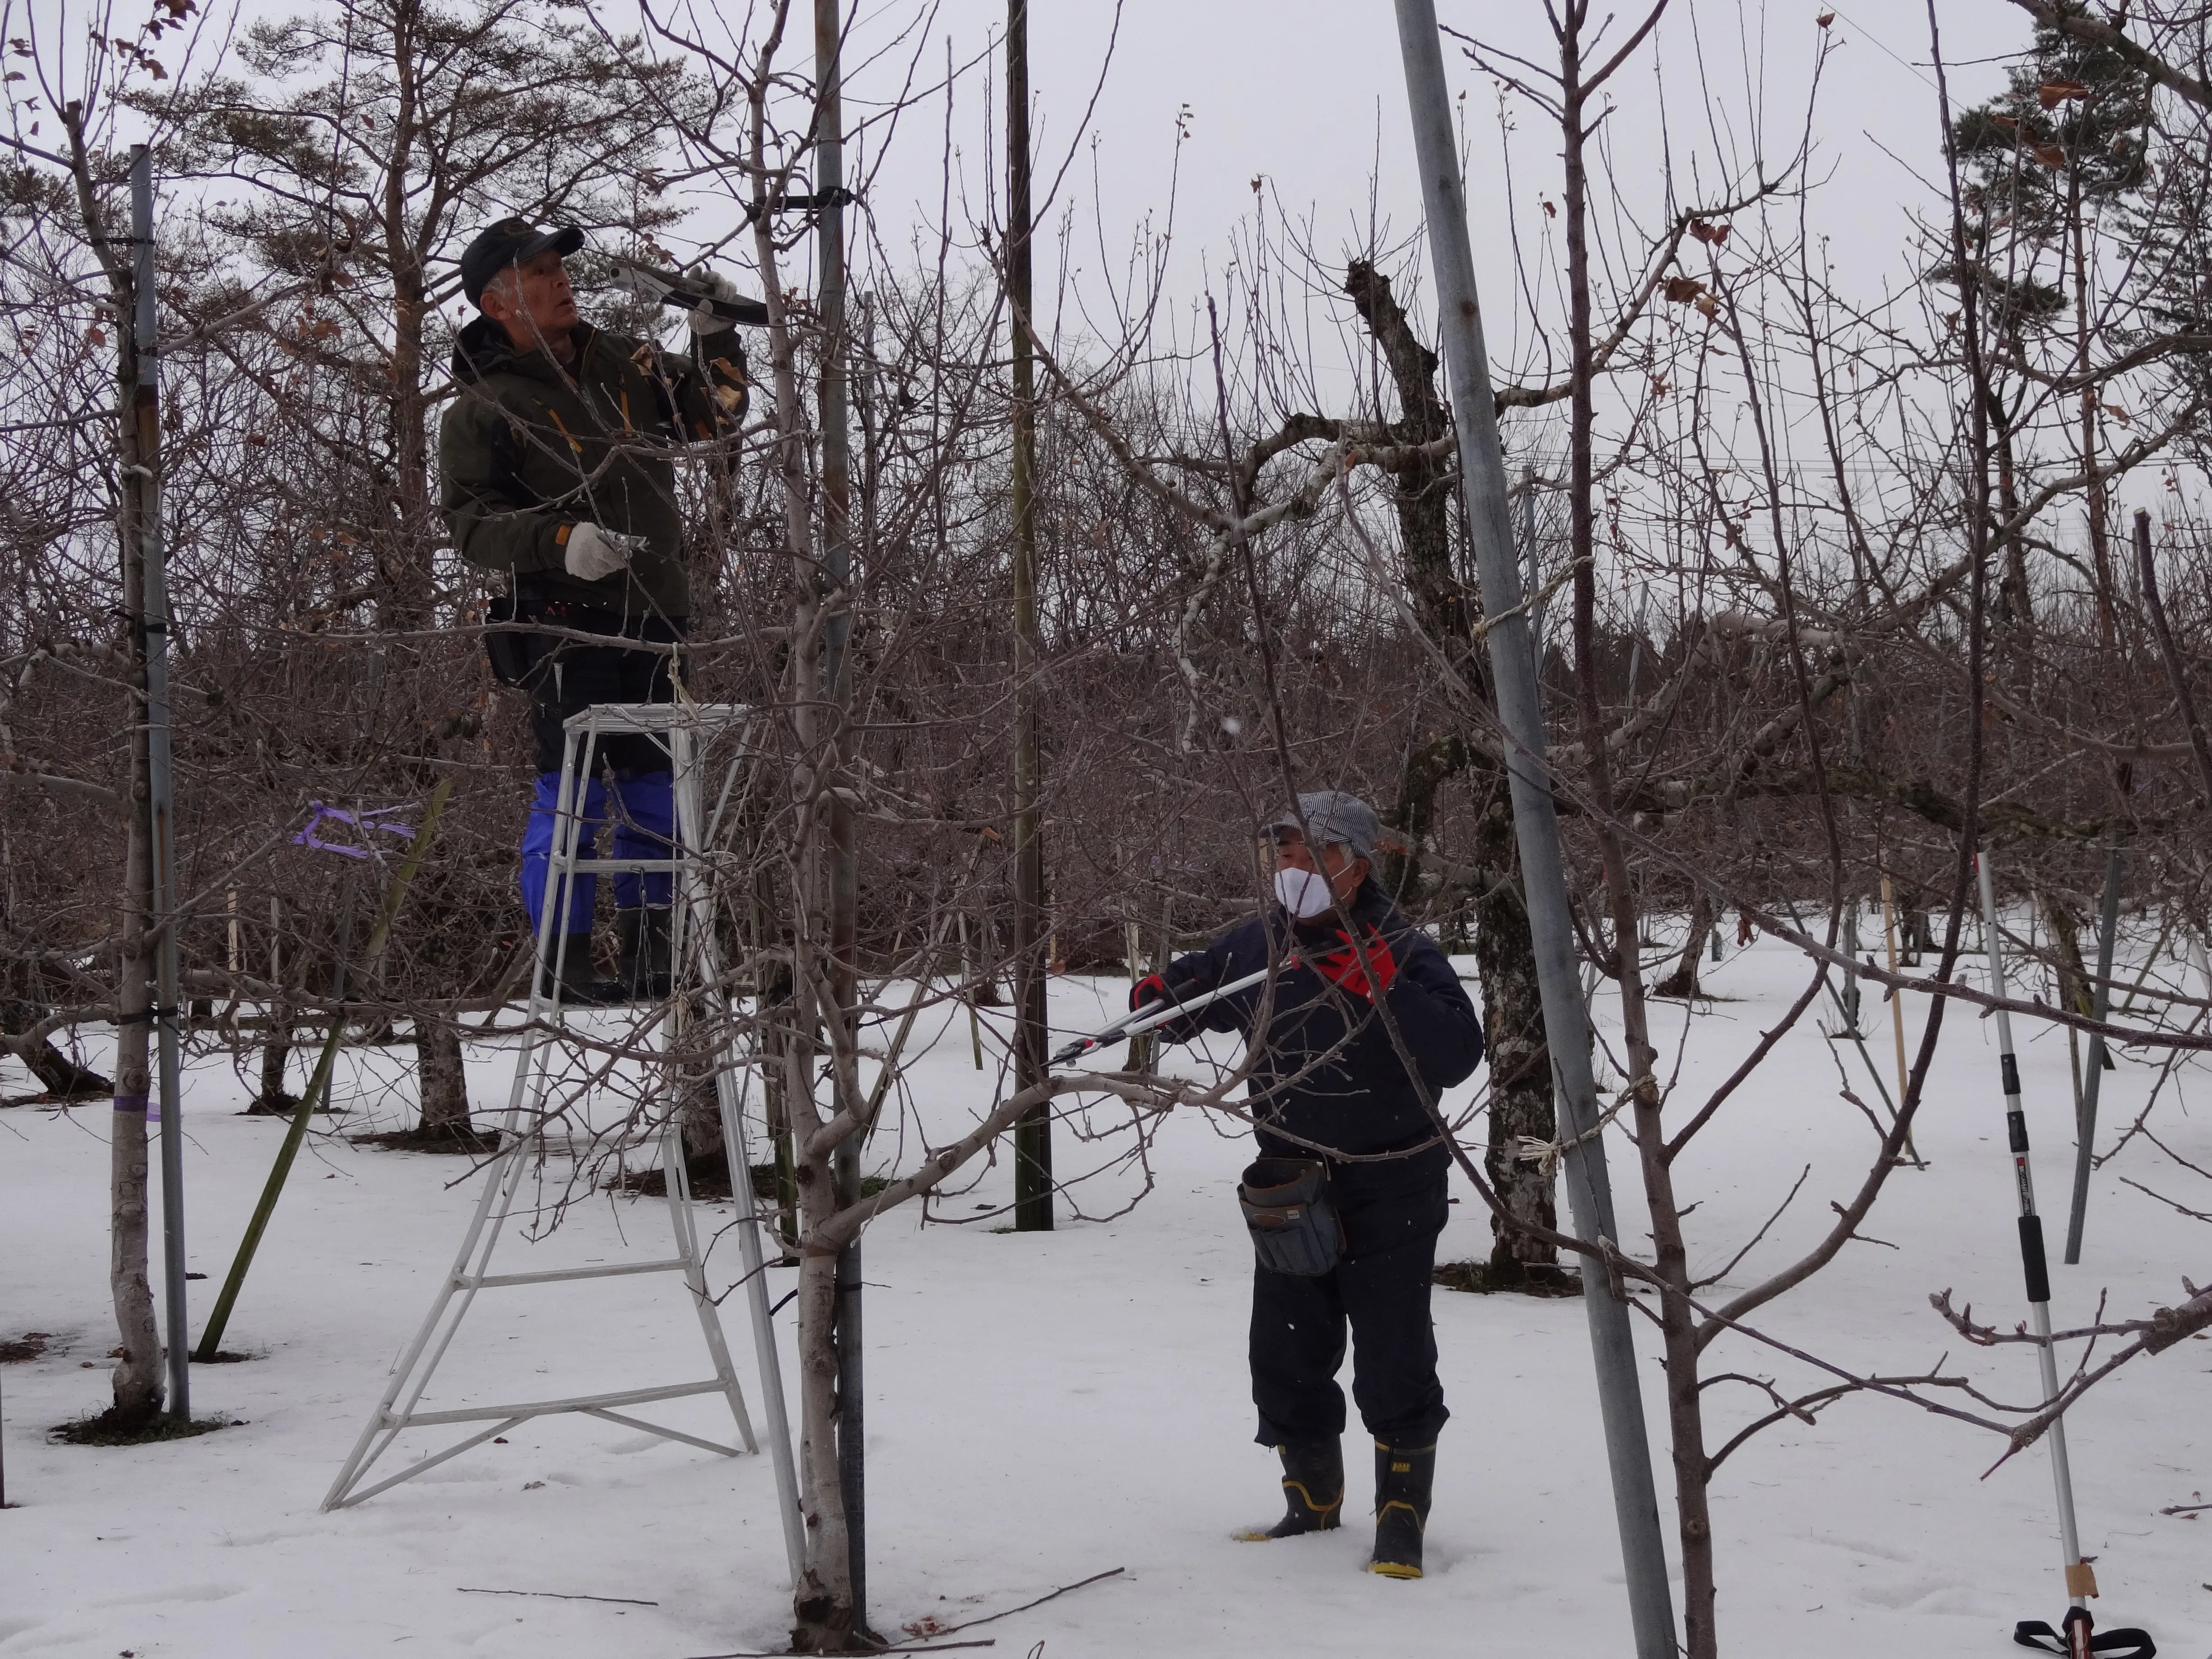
x=1313, y=1489
x=1403, y=1477
x=579, y=989
x=645, y=972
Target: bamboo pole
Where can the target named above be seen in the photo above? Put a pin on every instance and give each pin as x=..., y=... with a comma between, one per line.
x=394, y=895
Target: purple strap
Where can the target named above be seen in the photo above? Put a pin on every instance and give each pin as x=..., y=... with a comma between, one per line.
x=374, y=818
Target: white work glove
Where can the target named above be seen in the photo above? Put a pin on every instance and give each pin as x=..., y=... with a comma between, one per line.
x=591, y=552
x=700, y=319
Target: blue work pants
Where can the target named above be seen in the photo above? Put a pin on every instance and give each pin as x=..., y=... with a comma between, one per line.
x=643, y=813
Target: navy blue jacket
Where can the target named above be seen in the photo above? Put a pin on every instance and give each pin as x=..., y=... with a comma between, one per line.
x=1325, y=1069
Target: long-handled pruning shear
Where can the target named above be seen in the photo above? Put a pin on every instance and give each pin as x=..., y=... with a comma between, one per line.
x=1139, y=1021
x=669, y=287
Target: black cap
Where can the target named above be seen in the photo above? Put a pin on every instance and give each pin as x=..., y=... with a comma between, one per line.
x=511, y=242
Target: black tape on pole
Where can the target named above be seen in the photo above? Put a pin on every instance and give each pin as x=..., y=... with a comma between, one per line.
x=2011, y=1075
x=2031, y=1258
x=2017, y=1129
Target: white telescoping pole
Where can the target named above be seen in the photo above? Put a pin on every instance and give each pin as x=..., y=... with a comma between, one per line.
x=2081, y=1576
x=1535, y=823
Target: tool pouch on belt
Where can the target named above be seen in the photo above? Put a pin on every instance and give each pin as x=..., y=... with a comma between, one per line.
x=508, y=653
x=1292, y=1216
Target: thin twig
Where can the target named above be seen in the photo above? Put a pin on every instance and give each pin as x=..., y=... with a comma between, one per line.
x=558, y=1595
x=992, y=1619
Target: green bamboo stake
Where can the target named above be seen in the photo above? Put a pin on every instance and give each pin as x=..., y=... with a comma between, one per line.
x=394, y=895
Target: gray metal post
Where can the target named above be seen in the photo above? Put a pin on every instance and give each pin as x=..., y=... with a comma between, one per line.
x=1850, y=975
x=2100, y=1004
x=161, y=787
x=1535, y=573
x=836, y=674
x=1536, y=830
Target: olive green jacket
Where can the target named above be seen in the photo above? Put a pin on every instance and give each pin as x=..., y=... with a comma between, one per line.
x=530, y=449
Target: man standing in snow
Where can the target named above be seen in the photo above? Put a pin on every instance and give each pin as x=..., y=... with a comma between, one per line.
x=1341, y=1105
x=556, y=470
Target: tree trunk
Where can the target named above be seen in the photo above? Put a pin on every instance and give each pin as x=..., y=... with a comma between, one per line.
x=1504, y=956
x=1683, y=981
x=2094, y=497
x=404, y=573
x=822, y=1601
x=138, y=1377
x=61, y=1077
x=2071, y=973
x=138, y=1374
x=274, y=1100
x=1520, y=1104
x=445, y=1087
x=776, y=1013
x=58, y=1075
x=1685, y=1399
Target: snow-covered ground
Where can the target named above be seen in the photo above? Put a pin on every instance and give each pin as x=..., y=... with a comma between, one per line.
x=1042, y=1407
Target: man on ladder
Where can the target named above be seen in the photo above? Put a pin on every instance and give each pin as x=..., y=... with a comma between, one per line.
x=556, y=468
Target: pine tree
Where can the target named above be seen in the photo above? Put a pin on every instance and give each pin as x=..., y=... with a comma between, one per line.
x=2065, y=143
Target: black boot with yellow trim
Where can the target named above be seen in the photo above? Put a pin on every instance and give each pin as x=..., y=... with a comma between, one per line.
x=1313, y=1490
x=1405, y=1476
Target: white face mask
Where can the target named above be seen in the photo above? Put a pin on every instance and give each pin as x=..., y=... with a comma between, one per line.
x=1303, y=893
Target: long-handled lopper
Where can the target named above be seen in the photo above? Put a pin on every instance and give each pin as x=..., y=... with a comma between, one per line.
x=1139, y=1021
x=2076, y=1638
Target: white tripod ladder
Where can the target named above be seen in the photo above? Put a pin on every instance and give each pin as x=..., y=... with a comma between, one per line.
x=684, y=732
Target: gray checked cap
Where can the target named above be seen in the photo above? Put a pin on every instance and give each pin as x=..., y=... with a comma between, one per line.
x=1332, y=816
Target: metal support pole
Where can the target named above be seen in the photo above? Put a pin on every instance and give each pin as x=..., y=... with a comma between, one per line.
x=1536, y=574
x=1896, y=1006
x=2080, y=1578
x=1850, y=975
x=160, y=786
x=2100, y=1004
x=1033, y=1204
x=836, y=673
x=1536, y=830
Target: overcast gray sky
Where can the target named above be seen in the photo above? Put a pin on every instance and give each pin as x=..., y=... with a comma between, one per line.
x=1308, y=97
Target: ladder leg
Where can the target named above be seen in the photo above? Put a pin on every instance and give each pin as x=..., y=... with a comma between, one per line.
x=523, y=1145
x=700, y=916
x=684, y=1222
x=560, y=882
x=411, y=1375
x=677, y=1013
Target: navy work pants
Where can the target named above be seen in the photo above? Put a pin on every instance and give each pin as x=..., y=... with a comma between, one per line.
x=1393, y=1213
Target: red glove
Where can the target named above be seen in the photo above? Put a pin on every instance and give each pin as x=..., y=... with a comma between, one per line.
x=1151, y=988
x=1342, y=965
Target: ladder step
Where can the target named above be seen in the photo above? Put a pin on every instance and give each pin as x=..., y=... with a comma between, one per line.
x=558, y=1275
x=587, y=1402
